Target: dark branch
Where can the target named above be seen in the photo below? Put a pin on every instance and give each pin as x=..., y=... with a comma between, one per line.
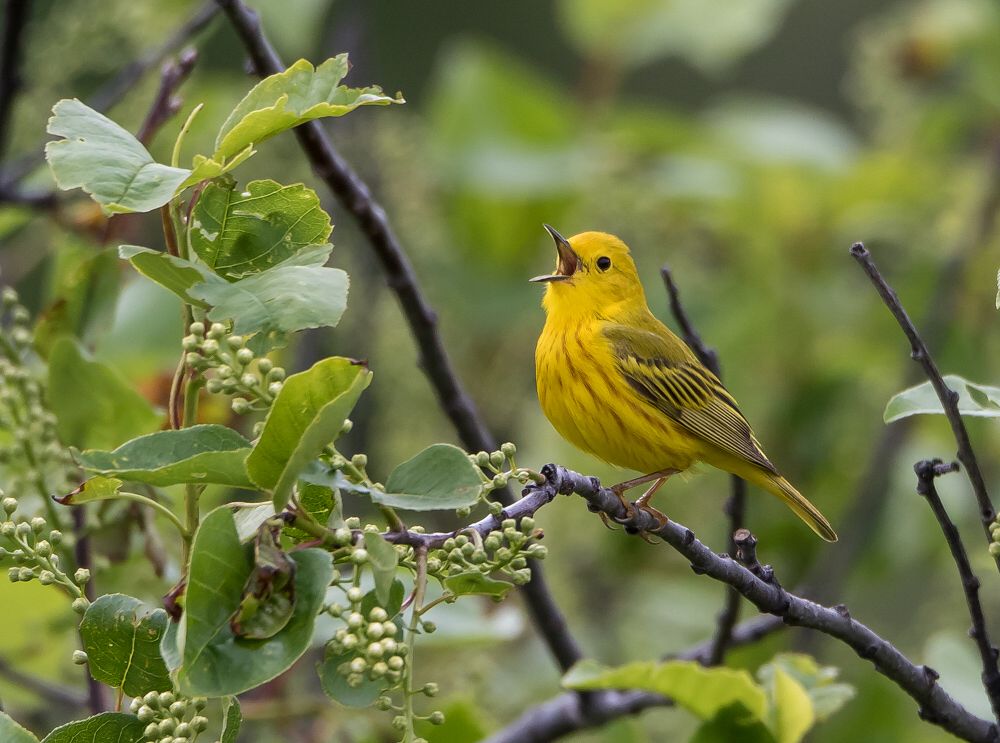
x=947, y=396
x=355, y=196
x=926, y=471
x=736, y=503
x=564, y=714
x=919, y=682
x=15, y=19
x=48, y=691
x=166, y=103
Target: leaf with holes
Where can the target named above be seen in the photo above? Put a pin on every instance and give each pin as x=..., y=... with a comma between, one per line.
x=299, y=94
x=121, y=636
x=238, y=233
x=106, y=161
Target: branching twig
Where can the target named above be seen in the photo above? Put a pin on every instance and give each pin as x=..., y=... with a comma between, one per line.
x=735, y=507
x=167, y=103
x=947, y=396
x=355, y=196
x=926, y=471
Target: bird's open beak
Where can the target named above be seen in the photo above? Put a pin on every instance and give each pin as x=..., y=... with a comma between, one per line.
x=567, y=263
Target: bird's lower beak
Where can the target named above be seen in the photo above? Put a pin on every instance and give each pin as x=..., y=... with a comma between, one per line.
x=567, y=261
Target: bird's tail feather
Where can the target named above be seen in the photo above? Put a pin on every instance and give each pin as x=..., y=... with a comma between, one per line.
x=799, y=504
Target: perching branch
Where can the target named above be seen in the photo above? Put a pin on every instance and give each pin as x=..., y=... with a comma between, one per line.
x=926, y=471
x=919, y=682
x=355, y=196
x=735, y=507
x=947, y=396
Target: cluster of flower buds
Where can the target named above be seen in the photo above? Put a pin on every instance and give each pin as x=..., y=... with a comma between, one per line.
x=505, y=550
x=502, y=465
x=370, y=642
x=34, y=554
x=33, y=457
x=170, y=718
x=995, y=536
x=252, y=382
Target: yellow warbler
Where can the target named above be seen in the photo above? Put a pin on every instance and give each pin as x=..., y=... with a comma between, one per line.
x=617, y=383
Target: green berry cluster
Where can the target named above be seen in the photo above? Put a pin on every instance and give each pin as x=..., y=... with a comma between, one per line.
x=505, y=550
x=503, y=466
x=34, y=554
x=32, y=457
x=170, y=718
x=995, y=536
x=252, y=382
x=370, y=643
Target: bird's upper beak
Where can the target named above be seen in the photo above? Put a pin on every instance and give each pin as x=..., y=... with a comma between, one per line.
x=567, y=263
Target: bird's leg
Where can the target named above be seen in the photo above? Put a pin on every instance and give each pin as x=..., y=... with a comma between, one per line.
x=660, y=477
x=643, y=503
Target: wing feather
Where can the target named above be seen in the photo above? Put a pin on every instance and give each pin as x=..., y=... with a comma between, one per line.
x=681, y=387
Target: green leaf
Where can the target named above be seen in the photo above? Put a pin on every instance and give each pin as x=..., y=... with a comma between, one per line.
x=107, y=727
x=464, y=720
x=205, y=453
x=733, y=723
x=215, y=661
x=96, y=488
x=702, y=691
x=11, y=732
x=106, y=161
x=121, y=636
x=93, y=404
x=169, y=271
x=307, y=415
x=820, y=682
x=383, y=558
x=336, y=687
x=973, y=400
x=297, y=95
x=236, y=233
x=249, y=518
x=205, y=168
x=232, y=719
x=474, y=582
x=284, y=299
x=792, y=711
x=441, y=477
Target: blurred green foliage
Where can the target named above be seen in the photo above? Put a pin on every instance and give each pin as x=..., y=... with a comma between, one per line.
x=649, y=119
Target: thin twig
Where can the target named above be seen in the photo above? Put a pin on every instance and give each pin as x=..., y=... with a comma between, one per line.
x=166, y=103
x=63, y=696
x=735, y=507
x=356, y=198
x=926, y=471
x=865, y=516
x=947, y=396
x=15, y=19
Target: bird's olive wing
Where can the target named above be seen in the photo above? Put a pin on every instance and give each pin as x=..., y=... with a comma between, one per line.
x=678, y=385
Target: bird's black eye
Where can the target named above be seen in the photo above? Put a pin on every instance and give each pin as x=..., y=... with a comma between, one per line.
x=604, y=263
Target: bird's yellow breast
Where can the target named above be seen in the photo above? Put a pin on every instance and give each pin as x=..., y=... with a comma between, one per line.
x=591, y=404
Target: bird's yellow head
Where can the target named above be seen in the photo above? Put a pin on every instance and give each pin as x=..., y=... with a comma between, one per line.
x=594, y=274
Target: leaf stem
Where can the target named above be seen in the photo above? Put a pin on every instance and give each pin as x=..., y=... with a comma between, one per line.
x=157, y=506
x=419, y=586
